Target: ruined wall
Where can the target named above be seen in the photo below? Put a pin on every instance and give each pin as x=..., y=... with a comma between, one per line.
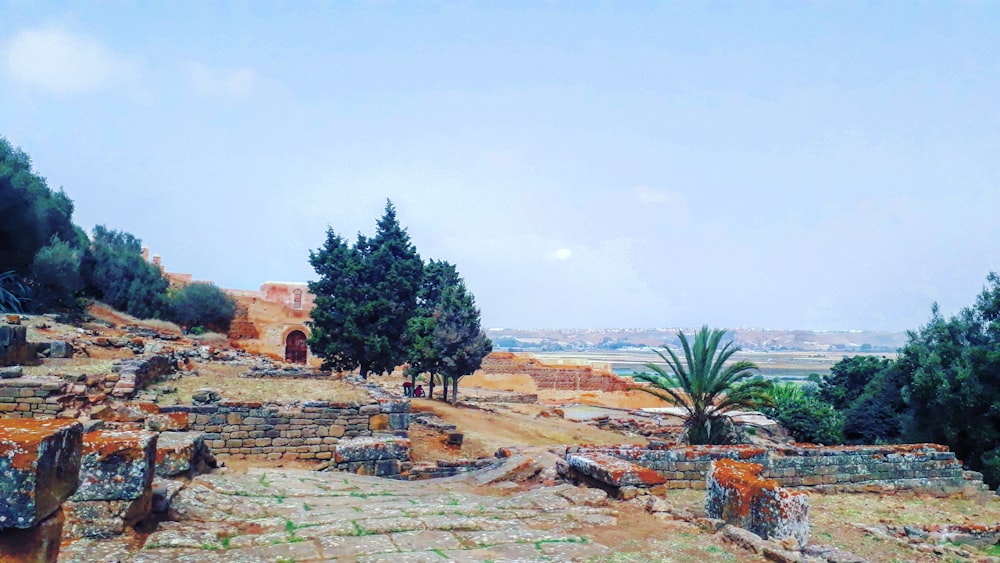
x=309, y=431
x=925, y=467
x=46, y=396
x=14, y=345
x=554, y=376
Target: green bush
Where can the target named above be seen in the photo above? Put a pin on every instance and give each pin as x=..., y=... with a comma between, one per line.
x=200, y=305
x=55, y=278
x=808, y=419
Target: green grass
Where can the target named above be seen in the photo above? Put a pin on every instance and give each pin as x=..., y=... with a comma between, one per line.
x=993, y=550
x=306, y=506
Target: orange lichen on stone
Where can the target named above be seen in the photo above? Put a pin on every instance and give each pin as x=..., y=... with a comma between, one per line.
x=738, y=495
x=105, y=443
x=20, y=438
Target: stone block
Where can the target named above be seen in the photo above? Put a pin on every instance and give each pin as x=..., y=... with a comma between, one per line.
x=738, y=495
x=613, y=471
x=378, y=422
x=60, y=349
x=371, y=449
x=38, y=544
x=105, y=518
x=116, y=465
x=40, y=463
x=181, y=453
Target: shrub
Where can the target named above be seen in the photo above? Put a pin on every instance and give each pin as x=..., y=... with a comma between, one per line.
x=202, y=305
x=55, y=278
x=808, y=419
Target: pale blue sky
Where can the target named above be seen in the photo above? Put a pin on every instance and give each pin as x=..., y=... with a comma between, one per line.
x=826, y=165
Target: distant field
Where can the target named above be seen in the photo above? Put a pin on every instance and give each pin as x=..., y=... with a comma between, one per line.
x=780, y=365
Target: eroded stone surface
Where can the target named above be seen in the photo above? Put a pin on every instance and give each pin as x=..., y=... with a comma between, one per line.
x=614, y=471
x=738, y=495
x=278, y=514
x=40, y=462
x=179, y=453
x=116, y=465
x=38, y=544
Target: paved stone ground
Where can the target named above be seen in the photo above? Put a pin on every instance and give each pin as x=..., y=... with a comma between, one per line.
x=285, y=516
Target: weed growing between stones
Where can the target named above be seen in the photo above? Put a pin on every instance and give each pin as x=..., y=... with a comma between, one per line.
x=263, y=480
x=306, y=506
x=440, y=552
x=280, y=498
x=357, y=530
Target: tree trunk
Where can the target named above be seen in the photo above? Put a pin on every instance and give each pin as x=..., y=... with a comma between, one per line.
x=364, y=372
x=444, y=390
x=454, y=390
x=430, y=384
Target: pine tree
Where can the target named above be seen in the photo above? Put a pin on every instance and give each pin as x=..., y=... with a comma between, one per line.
x=445, y=336
x=365, y=297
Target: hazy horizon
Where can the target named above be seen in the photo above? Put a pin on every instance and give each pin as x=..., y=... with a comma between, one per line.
x=821, y=165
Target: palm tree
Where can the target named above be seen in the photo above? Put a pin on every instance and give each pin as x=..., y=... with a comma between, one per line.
x=705, y=387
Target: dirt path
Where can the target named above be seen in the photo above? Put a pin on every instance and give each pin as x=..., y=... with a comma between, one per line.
x=487, y=429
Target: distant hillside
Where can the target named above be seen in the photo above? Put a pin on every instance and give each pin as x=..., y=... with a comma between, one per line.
x=749, y=338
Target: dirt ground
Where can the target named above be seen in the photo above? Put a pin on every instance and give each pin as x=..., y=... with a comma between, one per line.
x=487, y=429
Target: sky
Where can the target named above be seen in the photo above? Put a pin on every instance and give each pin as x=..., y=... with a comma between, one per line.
x=797, y=165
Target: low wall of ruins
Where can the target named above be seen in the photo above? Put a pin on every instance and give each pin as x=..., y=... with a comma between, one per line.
x=45, y=396
x=310, y=431
x=554, y=376
x=923, y=467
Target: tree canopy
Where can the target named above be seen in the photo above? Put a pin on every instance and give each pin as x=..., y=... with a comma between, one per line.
x=33, y=215
x=201, y=304
x=445, y=337
x=365, y=297
x=116, y=273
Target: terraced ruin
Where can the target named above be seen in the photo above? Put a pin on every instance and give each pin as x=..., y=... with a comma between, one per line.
x=114, y=447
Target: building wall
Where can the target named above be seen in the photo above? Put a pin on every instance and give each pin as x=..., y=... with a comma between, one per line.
x=265, y=318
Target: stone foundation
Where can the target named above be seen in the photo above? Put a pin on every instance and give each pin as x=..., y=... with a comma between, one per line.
x=738, y=495
x=309, y=431
x=554, y=376
x=929, y=468
x=379, y=456
x=46, y=396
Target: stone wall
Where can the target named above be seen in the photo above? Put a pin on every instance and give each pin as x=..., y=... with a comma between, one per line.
x=309, y=431
x=554, y=376
x=46, y=396
x=924, y=467
x=32, y=397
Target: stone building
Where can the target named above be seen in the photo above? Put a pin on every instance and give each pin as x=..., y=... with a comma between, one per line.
x=270, y=321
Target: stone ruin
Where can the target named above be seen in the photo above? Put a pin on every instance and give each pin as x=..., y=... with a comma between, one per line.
x=60, y=483
x=739, y=496
x=926, y=468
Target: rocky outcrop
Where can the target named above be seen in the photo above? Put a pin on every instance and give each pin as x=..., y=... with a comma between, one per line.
x=738, y=495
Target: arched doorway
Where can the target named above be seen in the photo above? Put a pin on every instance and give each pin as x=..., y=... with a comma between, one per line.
x=295, y=347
